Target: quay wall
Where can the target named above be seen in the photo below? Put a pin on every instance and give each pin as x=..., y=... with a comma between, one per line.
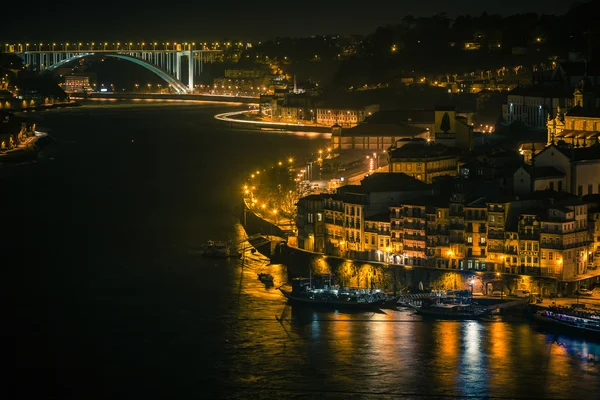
x=253, y=224
x=365, y=274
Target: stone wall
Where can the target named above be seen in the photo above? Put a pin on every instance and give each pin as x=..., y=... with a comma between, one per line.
x=387, y=277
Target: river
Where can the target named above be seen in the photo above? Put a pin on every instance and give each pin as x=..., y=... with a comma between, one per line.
x=107, y=295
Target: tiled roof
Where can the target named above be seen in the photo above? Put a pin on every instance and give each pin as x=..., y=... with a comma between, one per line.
x=547, y=172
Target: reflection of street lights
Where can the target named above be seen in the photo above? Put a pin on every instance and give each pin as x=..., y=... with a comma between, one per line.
x=472, y=282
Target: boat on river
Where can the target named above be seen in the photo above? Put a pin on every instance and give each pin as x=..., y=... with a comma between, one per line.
x=450, y=309
x=220, y=249
x=570, y=320
x=334, y=296
x=267, y=279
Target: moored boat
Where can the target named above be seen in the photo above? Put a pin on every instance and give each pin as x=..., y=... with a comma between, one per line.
x=450, y=309
x=569, y=320
x=220, y=249
x=336, y=297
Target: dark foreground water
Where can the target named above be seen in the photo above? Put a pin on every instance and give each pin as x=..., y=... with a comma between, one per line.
x=105, y=293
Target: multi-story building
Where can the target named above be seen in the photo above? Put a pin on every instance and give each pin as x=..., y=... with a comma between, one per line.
x=593, y=203
x=532, y=105
x=475, y=234
x=564, y=240
x=344, y=116
x=377, y=240
x=438, y=233
x=310, y=222
x=528, y=230
x=414, y=227
x=497, y=215
x=424, y=160
x=246, y=82
x=347, y=211
x=334, y=224
x=76, y=83
x=550, y=236
x=367, y=136
x=580, y=126
x=572, y=169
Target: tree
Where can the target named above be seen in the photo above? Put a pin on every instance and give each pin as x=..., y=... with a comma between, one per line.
x=445, y=125
x=287, y=203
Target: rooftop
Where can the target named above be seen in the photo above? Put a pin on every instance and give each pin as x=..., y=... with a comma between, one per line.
x=422, y=149
x=402, y=117
x=390, y=181
x=579, y=111
x=391, y=129
x=547, y=172
x=542, y=91
x=381, y=217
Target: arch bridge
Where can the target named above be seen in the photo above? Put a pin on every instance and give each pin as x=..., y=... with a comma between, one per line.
x=166, y=63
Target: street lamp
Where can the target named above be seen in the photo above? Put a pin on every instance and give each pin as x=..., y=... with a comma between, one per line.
x=501, y=285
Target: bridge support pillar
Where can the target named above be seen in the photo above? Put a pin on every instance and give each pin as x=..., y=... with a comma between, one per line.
x=178, y=66
x=191, y=71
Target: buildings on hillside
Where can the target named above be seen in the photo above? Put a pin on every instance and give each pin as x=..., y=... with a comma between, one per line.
x=424, y=160
x=531, y=105
x=575, y=170
x=344, y=116
x=442, y=125
x=13, y=130
x=248, y=82
x=393, y=218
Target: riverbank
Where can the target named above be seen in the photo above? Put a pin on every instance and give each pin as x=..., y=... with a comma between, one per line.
x=41, y=107
x=167, y=97
x=247, y=118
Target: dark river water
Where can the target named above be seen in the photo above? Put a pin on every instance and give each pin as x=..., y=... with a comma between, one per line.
x=107, y=296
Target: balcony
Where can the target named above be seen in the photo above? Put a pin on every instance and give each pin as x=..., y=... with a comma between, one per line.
x=529, y=236
x=455, y=239
x=457, y=227
x=496, y=235
x=561, y=246
x=414, y=225
x=414, y=237
x=456, y=213
x=475, y=217
x=495, y=249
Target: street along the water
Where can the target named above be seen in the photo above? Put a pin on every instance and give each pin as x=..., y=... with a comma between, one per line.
x=111, y=297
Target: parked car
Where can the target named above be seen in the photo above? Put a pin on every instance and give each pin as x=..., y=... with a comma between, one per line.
x=497, y=293
x=584, y=292
x=522, y=293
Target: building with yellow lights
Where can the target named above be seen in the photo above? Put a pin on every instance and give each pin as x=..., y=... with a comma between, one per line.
x=13, y=130
x=579, y=126
x=424, y=160
x=550, y=237
x=344, y=116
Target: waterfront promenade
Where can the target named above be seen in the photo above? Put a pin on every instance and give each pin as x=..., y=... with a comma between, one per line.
x=237, y=117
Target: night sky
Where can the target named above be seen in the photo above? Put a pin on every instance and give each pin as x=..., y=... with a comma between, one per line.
x=247, y=20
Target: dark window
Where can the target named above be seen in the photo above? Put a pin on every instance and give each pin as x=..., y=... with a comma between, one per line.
x=590, y=189
x=580, y=190
x=559, y=186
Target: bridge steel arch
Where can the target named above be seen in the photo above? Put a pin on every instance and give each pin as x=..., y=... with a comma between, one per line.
x=176, y=84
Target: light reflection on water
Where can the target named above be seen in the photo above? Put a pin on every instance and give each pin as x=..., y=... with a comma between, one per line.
x=112, y=281
x=387, y=354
